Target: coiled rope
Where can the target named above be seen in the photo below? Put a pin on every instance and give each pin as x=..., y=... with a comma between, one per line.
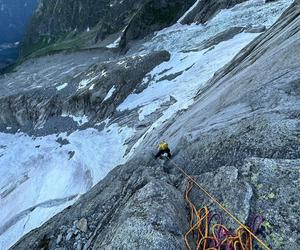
x=202, y=217
x=219, y=237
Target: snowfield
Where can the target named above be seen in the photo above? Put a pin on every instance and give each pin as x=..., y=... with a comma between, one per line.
x=193, y=68
x=41, y=176
x=189, y=68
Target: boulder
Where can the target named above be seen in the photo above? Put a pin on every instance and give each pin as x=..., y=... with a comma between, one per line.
x=82, y=225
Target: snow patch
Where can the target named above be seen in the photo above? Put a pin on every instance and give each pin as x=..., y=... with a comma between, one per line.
x=196, y=67
x=110, y=93
x=189, y=10
x=149, y=109
x=83, y=83
x=80, y=120
x=52, y=173
x=92, y=87
x=115, y=44
x=60, y=87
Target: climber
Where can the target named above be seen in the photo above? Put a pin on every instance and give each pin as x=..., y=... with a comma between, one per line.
x=163, y=148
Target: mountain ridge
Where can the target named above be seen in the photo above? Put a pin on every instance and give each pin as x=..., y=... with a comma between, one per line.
x=224, y=95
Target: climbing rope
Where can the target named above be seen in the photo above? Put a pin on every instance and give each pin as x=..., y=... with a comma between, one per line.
x=215, y=236
x=221, y=236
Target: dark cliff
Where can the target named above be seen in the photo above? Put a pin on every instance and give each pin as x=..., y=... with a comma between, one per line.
x=74, y=24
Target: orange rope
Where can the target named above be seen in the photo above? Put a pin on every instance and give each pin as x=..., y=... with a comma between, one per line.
x=242, y=240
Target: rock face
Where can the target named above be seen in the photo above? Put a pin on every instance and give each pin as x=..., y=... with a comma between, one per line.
x=149, y=211
x=96, y=20
x=82, y=96
x=274, y=182
x=240, y=139
x=154, y=15
x=204, y=10
x=219, y=182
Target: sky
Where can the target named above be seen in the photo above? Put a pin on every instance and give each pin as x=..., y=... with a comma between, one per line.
x=14, y=17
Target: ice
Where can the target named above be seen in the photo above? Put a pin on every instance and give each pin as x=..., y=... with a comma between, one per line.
x=250, y=13
x=44, y=171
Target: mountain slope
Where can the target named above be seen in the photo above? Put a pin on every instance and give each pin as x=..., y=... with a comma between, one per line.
x=205, y=10
x=239, y=129
x=73, y=24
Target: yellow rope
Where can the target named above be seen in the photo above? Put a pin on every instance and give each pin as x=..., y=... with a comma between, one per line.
x=226, y=210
